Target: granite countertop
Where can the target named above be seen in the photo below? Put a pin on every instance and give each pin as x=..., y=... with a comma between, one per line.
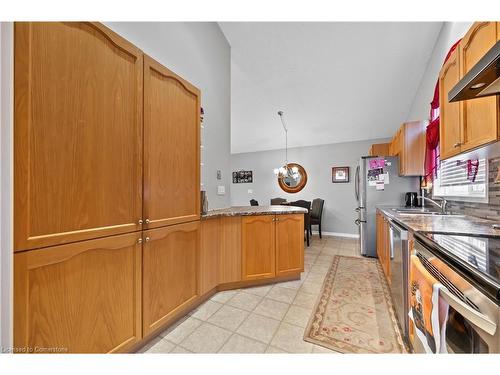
x=254, y=210
x=453, y=224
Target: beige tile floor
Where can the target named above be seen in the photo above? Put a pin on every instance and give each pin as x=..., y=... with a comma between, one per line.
x=265, y=319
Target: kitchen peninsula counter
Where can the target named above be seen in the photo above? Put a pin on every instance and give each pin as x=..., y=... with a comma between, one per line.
x=254, y=211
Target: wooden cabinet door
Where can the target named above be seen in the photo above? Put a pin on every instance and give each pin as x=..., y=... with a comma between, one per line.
x=380, y=149
x=386, y=249
x=450, y=122
x=83, y=297
x=380, y=237
x=77, y=133
x=171, y=147
x=289, y=244
x=170, y=273
x=479, y=116
x=383, y=244
x=258, y=247
x=209, y=254
x=412, y=153
x=230, y=249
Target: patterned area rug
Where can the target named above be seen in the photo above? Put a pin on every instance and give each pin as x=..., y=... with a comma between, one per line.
x=354, y=312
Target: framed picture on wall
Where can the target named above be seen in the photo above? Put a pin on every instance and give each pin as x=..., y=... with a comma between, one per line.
x=340, y=174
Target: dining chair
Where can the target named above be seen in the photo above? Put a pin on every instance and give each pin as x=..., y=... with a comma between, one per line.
x=316, y=214
x=307, y=205
x=277, y=201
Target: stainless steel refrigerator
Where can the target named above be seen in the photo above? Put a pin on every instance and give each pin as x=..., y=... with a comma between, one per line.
x=372, y=190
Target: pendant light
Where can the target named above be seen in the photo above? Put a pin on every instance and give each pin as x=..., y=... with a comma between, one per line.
x=285, y=171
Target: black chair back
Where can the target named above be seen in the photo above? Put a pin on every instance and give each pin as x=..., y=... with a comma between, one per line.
x=302, y=203
x=253, y=202
x=307, y=223
x=276, y=201
x=317, y=208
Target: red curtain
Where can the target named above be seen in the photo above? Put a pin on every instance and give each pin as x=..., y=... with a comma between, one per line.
x=432, y=132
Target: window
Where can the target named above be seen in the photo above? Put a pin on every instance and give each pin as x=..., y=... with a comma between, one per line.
x=453, y=182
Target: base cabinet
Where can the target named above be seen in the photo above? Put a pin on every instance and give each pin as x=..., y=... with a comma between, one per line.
x=383, y=245
x=289, y=244
x=170, y=281
x=272, y=246
x=257, y=247
x=209, y=254
x=230, y=249
x=79, y=298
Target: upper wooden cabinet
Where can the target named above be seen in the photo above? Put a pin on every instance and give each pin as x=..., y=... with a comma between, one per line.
x=289, y=244
x=83, y=297
x=450, y=123
x=257, y=247
x=171, y=147
x=77, y=133
x=170, y=269
x=409, y=145
x=379, y=149
x=471, y=123
x=479, y=116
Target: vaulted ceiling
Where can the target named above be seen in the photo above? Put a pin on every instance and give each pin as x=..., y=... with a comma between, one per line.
x=336, y=82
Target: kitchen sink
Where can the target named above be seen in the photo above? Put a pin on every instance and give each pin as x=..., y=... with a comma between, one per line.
x=420, y=212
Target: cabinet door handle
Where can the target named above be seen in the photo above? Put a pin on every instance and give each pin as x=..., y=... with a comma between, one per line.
x=147, y=221
x=139, y=241
x=147, y=239
x=457, y=144
x=140, y=221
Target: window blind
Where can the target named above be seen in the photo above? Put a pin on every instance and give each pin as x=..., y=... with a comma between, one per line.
x=455, y=174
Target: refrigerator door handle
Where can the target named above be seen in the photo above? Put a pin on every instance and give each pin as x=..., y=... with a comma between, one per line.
x=356, y=183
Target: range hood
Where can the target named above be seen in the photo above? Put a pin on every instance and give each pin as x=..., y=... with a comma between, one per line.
x=482, y=80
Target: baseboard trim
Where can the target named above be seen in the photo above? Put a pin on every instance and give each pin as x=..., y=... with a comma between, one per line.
x=337, y=234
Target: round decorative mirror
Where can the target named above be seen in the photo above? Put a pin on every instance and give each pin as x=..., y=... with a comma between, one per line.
x=295, y=180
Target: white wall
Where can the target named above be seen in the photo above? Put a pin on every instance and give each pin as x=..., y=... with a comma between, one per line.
x=198, y=52
x=338, y=213
x=6, y=184
x=450, y=33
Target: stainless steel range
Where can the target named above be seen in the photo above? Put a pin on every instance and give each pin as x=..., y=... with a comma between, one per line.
x=469, y=269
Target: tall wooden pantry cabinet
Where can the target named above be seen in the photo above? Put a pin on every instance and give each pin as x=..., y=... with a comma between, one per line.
x=106, y=190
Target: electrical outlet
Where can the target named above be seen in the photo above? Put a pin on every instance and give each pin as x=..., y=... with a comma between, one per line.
x=219, y=174
x=250, y=191
x=221, y=190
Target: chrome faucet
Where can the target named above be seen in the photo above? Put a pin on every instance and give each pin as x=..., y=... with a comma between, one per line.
x=442, y=206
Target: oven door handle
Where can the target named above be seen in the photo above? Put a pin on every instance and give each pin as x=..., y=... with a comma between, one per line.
x=478, y=319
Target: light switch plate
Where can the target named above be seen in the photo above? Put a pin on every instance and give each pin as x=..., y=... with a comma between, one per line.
x=219, y=174
x=221, y=190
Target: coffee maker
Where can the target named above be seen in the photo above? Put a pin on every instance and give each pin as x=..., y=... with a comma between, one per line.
x=411, y=199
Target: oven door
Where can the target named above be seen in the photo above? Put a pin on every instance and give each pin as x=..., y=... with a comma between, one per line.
x=472, y=316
